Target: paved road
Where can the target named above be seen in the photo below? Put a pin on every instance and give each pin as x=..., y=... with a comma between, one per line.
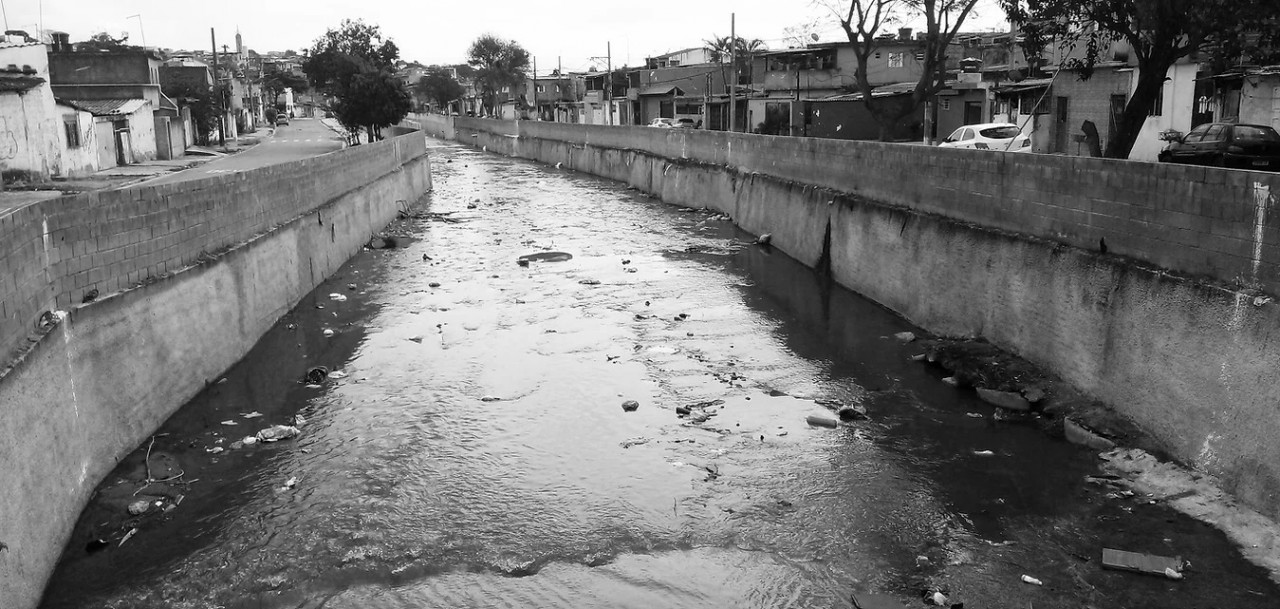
x=300, y=139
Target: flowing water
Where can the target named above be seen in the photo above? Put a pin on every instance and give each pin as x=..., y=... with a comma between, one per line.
x=471, y=449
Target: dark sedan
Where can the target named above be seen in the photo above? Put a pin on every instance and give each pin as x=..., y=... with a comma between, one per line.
x=1227, y=145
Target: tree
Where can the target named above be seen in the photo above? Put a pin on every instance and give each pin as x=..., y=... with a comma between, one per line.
x=862, y=22
x=375, y=99
x=439, y=86
x=275, y=83
x=1159, y=32
x=720, y=49
x=498, y=63
x=354, y=66
x=203, y=103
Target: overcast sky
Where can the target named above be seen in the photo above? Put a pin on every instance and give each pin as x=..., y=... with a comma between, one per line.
x=439, y=31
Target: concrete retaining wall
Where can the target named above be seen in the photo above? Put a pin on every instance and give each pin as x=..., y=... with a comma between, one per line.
x=1005, y=246
x=91, y=389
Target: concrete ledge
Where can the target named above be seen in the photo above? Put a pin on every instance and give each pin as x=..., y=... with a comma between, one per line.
x=110, y=373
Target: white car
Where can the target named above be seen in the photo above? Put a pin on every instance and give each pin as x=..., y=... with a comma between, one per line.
x=663, y=123
x=989, y=136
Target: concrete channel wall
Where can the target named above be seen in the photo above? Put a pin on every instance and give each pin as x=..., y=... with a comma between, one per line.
x=1171, y=326
x=204, y=270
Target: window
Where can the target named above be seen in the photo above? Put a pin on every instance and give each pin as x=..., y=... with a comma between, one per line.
x=967, y=134
x=919, y=55
x=1000, y=133
x=895, y=60
x=877, y=54
x=72, y=126
x=1157, y=106
x=1246, y=133
x=944, y=104
x=1196, y=134
x=542, y=88
x=1216, y=133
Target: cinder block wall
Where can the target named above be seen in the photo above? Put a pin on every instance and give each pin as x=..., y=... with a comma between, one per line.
x=1205, y=222
x=54, y=252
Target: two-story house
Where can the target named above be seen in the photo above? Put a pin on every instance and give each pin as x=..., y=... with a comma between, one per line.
x=122, y=88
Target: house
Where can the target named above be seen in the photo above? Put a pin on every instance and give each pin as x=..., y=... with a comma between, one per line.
x=695, y=92
x=556, y=97
x=125, y=129
x=821, y=78
x=29, y=146
x=119, y=86
x=79, y=140
x=1245, y=95
x=683, y=57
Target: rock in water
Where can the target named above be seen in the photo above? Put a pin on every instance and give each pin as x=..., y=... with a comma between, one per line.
x=630, y=406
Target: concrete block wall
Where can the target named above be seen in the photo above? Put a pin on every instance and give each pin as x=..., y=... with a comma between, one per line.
x=54, y=252
x=1206, y=222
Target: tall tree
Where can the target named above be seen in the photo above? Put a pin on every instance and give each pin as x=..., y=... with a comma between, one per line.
x=498, y=63
x=1160, y=33
x=202, y=100
x=275, y=83
x=720, y=50
x=862, y=22
x=354, y=65
x=439, y=86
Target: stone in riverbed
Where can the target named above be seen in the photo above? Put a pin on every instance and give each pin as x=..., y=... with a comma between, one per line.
x=630, y=406
x=1004, y=399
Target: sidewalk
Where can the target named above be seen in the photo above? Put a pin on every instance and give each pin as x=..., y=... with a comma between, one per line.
x=124, y=176
x=336, y=127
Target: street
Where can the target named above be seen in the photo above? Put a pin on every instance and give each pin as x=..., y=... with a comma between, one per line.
x=301, y=138
x=466, y=443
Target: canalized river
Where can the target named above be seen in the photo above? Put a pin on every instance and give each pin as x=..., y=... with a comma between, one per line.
x=470, y=448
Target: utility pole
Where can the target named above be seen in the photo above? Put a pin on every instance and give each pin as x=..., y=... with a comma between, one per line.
x=608, y=87
x=733, y=62
x=217, y=88
x=559, y=86
x=536, y=112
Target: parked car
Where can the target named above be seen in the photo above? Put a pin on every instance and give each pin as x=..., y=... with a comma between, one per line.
x=1006, y=137
x=663, y=123
x=1227, y=145
x=686, y=123
x=282, y=118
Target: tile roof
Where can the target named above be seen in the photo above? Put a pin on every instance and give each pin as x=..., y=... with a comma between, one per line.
x=107, y=107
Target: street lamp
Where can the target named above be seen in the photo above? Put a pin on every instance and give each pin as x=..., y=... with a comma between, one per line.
x=140, y=30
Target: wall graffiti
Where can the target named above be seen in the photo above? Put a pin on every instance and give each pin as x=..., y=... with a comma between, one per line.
x=8, y=143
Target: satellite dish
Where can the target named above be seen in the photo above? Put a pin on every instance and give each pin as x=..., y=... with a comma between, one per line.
x=1017, y=75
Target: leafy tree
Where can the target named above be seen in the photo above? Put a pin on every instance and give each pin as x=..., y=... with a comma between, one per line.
x=1160, y=33
x=275, y=83
x=438, y=85
x=498, y=63
x=863, y=20
x=202, y=100
x=103, y=41
x=354, y=66
x=720, y=49
x=375, y=99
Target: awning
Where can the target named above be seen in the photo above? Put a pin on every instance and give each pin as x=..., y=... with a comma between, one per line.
x=1033, y=84
x=19, y=83
x=108, y=107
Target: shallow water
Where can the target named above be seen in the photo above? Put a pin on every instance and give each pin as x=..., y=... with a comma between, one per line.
x=472, y=450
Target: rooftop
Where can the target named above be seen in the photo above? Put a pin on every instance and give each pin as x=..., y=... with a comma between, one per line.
x=106, y=107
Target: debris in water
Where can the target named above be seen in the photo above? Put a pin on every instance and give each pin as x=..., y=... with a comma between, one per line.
x=433, y=284
x=1004, y=399
x=905, y=337
x=128, y=536
x=139, y=507
x=379, y=242
x=984, y=453
x=590, y=282
x=336, y=297
x=937, y=598
x=316, y=375
x=764, y=239
x=229, y=422
x=490, y=398
x=630, y=406
x=89, y=296
x=337, y=374
x=974, y=415
x=952, y=381
x=277, y=432
x=1149, y=564
x=852, y=413
x=819, y=420
x=328, y=332
x=291, y=482
x=252, y=415
x=545, y=257
x=634, y=442
x=1031, y=580
x=352, y=286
